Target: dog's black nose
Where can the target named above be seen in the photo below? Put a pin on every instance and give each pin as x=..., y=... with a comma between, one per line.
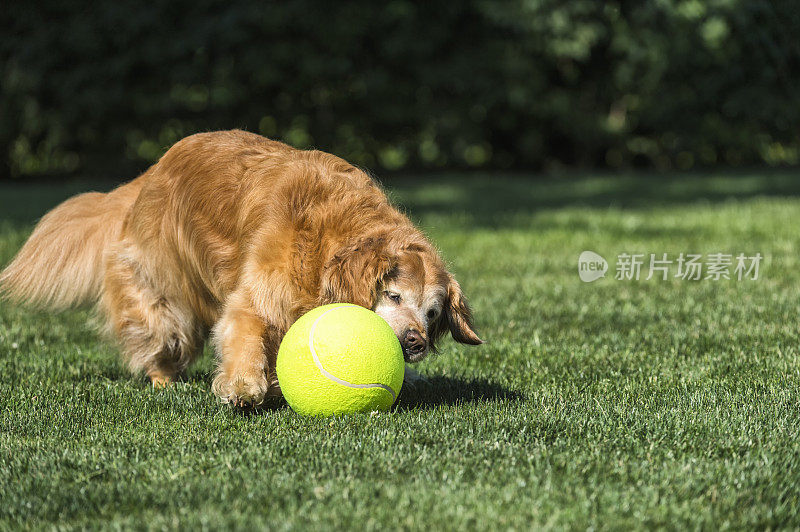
x=413, y=342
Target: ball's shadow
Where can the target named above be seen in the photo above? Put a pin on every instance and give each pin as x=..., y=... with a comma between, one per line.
x=443, y=391
x=429, y=393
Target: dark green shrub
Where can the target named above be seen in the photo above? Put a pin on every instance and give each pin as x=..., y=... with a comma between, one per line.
x=518, y=83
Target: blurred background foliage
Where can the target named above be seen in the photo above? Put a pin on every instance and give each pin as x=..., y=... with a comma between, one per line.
x=103, y=88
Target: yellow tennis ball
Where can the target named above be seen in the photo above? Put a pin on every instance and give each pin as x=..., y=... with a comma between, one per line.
x=340, y=359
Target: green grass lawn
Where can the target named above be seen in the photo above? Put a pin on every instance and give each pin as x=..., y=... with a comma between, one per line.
x=608, y=405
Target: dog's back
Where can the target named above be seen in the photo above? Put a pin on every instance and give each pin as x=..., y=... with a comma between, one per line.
x=213, y=198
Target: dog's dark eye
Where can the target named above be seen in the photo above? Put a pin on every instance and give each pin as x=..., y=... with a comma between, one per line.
x=394, y=297
x=432, y=314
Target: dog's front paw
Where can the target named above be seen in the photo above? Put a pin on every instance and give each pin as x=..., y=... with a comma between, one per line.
x=242, y=389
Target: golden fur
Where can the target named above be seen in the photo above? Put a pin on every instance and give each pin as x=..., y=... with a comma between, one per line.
x=237, y=235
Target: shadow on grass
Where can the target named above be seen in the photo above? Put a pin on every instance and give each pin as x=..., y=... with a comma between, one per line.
x=494, y=200
x=26, y=203
x=443, y=391
x=435, y=392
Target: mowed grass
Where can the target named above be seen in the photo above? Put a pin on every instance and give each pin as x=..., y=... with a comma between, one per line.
x=615, y=404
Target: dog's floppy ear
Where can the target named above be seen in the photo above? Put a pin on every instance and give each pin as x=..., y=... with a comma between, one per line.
x=353, y=273
x=459, y=316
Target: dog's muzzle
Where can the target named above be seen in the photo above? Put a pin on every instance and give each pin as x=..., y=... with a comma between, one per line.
x=414, y=345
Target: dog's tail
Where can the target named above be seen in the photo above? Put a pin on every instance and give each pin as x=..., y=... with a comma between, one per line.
x=61, y=264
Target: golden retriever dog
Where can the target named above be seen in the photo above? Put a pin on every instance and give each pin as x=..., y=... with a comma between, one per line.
x=237, y=235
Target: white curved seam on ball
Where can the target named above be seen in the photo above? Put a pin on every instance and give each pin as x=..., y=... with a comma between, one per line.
x=330, y=375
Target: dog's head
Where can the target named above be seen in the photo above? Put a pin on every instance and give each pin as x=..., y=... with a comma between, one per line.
x=405, y=282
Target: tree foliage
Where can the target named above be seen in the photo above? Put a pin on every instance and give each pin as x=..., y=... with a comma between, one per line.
x=519, y=83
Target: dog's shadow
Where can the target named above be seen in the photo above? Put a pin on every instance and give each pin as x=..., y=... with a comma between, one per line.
x=433, y=392
x=427, y=394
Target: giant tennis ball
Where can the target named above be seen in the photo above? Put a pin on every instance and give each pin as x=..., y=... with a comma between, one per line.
x=340, y=359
